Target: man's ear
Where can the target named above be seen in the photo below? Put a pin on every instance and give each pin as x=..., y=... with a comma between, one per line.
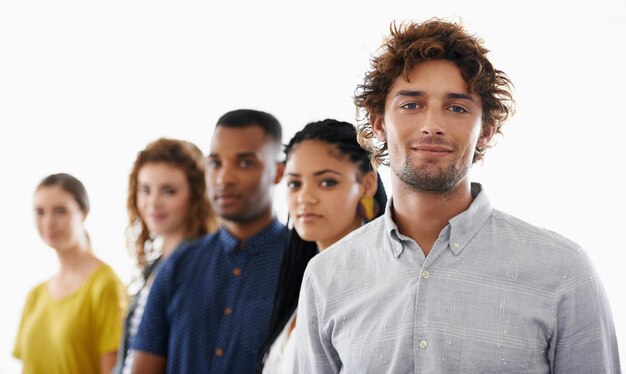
x=280, y=171
x=378, y=127
x=485, y=137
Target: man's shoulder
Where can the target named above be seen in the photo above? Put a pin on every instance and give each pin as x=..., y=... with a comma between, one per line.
x=533, y=236
x=274, y=236
x=354, y=247
x=193, y=251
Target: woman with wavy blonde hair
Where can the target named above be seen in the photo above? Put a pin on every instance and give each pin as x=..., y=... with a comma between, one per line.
x=167, y=205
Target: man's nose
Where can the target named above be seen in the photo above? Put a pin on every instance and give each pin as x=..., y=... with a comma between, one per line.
x=432, y=122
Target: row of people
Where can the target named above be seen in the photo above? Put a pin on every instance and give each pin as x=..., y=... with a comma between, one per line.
x=331, y=187
x=439, y=282
x=215, y=296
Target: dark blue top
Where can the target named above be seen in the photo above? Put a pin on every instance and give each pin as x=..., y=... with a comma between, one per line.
x=210, y=305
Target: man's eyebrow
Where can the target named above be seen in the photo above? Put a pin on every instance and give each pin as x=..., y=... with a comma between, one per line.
x=463, y=96
x=418, y=93
x=238, y=155
x=246, y=155
x=410, y=93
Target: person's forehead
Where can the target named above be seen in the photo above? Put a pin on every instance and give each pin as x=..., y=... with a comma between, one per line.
x=442, y=73
x=239, y=139
x=53, y=195
x=161, y=172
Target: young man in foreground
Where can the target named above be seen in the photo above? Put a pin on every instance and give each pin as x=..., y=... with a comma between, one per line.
x=443, y=282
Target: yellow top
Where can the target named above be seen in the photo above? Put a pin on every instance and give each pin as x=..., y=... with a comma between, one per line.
x=69, y=335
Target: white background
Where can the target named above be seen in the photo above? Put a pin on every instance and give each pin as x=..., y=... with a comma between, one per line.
x=85, y=85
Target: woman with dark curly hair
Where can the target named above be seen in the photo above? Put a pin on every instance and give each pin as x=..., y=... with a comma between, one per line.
x=332, y=189
x=167, y=205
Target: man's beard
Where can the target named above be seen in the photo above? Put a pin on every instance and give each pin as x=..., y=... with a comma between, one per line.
x=244, y=214
x=429, y=177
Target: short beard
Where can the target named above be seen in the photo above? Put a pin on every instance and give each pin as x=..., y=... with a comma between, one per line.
x=243, y=217
x=436, y=180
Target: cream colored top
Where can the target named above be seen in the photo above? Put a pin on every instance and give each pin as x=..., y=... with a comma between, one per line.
x=281, y=355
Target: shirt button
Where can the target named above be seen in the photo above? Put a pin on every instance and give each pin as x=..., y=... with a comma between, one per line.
x=457, y=245
x=236, y=272
x=219, y=352
x=425, y=275
x=228, y=311
x=423, y=344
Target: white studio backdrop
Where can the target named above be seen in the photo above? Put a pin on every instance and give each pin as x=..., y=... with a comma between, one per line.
x=85, y=85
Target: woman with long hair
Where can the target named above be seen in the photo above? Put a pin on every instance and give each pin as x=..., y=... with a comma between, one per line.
x=167, y=205
x=332, y=190
x=71, y=323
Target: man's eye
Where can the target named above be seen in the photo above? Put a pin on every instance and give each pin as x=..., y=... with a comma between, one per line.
x=457, y=109
x=213, y=164
x=246, y=163
x=410, y=106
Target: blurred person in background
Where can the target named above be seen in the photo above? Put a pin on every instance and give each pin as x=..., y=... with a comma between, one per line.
x=167, y=205
x=71, y=323
x=210, y=305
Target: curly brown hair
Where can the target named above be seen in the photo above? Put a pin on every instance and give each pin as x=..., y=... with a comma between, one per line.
x=186, y=156
x=411, y=43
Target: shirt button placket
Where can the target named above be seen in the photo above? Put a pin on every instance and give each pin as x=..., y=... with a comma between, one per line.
x=226, y=326
x=421, y=342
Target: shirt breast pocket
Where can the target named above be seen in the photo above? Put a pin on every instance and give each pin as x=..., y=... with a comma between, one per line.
x=255, y=323
x=487, y=358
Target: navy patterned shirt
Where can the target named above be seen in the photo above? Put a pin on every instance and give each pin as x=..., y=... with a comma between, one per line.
x=210, y=305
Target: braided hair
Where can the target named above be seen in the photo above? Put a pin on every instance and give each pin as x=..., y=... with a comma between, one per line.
x=298, y=252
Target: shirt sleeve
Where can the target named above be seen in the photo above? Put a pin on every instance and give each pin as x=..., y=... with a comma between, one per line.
x=584, y=340
x=19, y=339
x=109, y=310
x=314, y=352
x=153, y=333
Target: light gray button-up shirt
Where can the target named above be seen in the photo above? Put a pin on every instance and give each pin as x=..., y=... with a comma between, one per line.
x=495, y=295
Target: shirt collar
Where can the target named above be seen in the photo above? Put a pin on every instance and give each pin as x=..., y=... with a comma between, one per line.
x=460, y=229
x=252, y=245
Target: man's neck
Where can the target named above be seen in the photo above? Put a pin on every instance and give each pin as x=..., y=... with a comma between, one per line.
x=246, y=230
x=421, y=215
